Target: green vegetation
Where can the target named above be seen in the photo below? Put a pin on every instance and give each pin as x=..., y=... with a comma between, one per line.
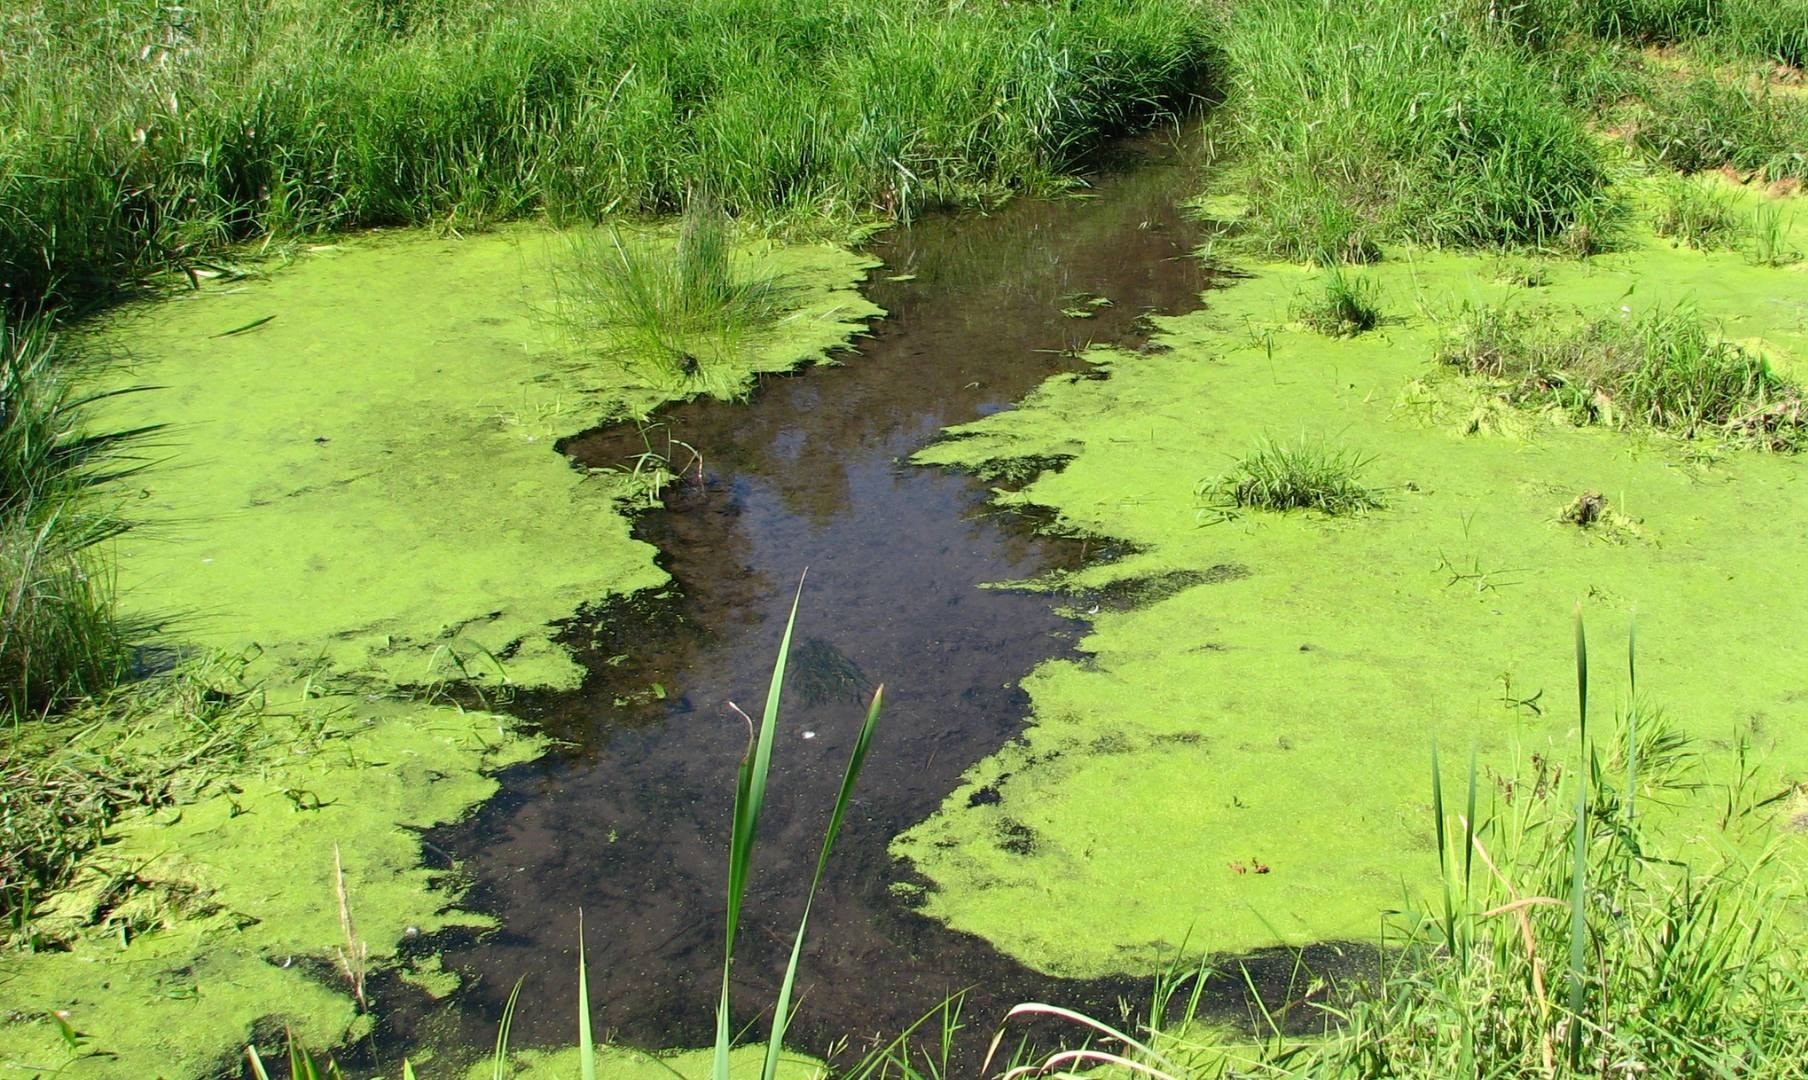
x=1305, y=474
x=147, y=137
x=60, y=637
x=1564, y=939
x=65, y=778
x=1573, y=934
x=1348, y=307
x=1708, y=122
x=1665, y=368
x=1700, y=213
x=669, y=312
x=1404, y=120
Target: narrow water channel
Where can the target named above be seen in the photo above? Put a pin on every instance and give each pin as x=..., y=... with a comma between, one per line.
x=630, y=821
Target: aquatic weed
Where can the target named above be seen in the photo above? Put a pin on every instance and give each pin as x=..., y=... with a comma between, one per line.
x=1562, y=938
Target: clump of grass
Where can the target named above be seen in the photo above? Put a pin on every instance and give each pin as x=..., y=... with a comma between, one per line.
x=1770, y=244
x=1663, y=368
x=1698, y=212
x=1349, y=306
x=1705, y=122
x=60, y=636
x=1305, y=474
x=1526, y=273
x=672, y=309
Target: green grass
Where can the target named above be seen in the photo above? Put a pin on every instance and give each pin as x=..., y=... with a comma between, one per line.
x=1664, y=368
x=1305, y=474
x=1706, y=122
x=665, y=309
x=60, y=638
x=1350, y=305
x=1769, y=237
x=144, y=137
x=1405, y=120
x=1774, y=30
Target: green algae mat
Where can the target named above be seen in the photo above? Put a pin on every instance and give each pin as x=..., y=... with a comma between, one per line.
x=356, y=491
x=1241, y=756
x=360, y=466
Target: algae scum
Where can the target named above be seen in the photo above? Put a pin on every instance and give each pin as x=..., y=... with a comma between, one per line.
x=1196, y=723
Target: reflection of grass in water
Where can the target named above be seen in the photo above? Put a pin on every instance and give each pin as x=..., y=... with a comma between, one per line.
x=1663, y=368
x=1305, y=474
x=668, y=311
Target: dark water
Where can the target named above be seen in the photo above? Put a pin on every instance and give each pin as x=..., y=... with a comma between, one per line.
x=630, y=822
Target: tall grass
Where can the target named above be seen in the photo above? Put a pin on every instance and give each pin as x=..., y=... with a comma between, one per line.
x=1775, y=30
x=1699, y=213
x=1664, y=367
x=1409, y=120
x=1705, y=122
x=142, y=137
x=60, y=637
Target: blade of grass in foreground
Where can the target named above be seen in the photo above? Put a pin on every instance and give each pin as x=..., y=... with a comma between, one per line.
x=586, y=1044
x=1632, y=714
x=1578, y=890
x=782, y=1010
x=750, y=796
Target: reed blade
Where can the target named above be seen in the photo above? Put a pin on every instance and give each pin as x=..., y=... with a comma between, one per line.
x=781, y=1015
x=750, y=796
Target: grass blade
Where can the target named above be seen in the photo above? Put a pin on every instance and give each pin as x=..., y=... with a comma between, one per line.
x=1437, y=813
x=586, y=1044
x=782, y=1010
x=750, y=796
x=1632, y=713
x=499, y=1069
x=1582, y=682
x=1578, y=890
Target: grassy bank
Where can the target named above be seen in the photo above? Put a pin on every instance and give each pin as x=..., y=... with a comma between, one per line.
x=145, y=138
x=1490, y=126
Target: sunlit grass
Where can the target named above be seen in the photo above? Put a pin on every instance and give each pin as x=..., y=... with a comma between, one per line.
x=1306, y=473
x=1663, y=367
x=667, y=308
x=1349, y=305
x=143, y=138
